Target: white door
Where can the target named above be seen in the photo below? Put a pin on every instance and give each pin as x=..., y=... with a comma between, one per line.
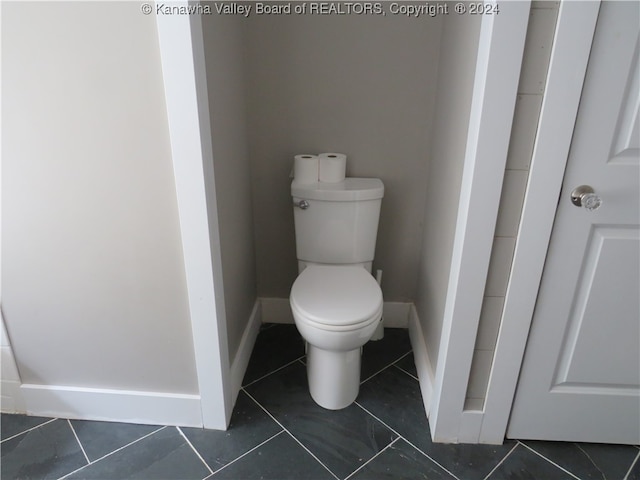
x=580, y=379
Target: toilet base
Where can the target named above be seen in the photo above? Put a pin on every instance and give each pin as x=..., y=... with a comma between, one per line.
x=334, y=376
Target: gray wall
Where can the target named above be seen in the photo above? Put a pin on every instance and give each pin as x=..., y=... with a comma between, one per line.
x=459, y=47
x=224, y=58
x=361, y=85
x=94, y=290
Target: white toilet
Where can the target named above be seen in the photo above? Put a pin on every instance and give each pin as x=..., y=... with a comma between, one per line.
x=336, y=302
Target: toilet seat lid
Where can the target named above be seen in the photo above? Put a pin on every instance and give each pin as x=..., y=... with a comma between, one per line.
x=336, y=295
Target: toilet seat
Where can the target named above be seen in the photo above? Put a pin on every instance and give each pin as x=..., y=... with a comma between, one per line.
x=336, y=297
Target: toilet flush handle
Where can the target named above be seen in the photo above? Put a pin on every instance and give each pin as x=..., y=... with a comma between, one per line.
x=302, y=204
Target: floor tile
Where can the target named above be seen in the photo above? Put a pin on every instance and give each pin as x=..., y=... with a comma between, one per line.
x=249, y=427
x=408, y=365
x=276, y=346
x=350, y=443
x=49, y=451
x=588, y=461
x=101, y=438
x=164, y=455
x=378, y=354
x=401, y=460
x=342, y=439
x=394, y=397
x=11, y=425
x=523, y=464
x=281, y=458
x=634, y=472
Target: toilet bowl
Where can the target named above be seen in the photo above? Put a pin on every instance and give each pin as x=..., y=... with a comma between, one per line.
x=336, y=309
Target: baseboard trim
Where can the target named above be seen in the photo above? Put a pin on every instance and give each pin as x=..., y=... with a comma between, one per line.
x=11, y=400
x=277, y=310
x=242, y=356
x=426, y=375
x=131, y=406
x=112, y=405
x=470, y=426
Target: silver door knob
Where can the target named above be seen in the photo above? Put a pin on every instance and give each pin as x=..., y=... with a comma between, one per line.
x=585, y=196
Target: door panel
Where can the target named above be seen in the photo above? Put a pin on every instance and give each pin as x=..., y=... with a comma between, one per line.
x=580, y=378
x=611, y=283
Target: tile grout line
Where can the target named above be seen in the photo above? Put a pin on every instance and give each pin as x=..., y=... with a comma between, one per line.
x=246, y=453
x=195, y=451
x=272, y=372
x=79, y=442
x=590, y=459
x=501, y=461
x=407, y=373
x=548, y=460
x=395, y=364
x=29, y=430
x=371, y=459
x=410, y=443
x=111, y=453
x=385, y=367
x=290, y=434
x=402, y=356
x=633, y=464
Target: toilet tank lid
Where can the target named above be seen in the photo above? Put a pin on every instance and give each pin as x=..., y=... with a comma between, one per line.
x=349, y=190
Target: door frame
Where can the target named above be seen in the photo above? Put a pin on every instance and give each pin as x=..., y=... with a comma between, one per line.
x=572, y=44
x=181, y=47
x=484, y=167
x=574, y=34
x=497, y=71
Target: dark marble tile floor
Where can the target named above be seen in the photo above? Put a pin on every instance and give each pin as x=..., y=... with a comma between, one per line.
x=278, y=432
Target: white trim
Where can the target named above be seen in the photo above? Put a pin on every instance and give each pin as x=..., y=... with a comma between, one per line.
x=426, y=376
x=278, y=310
x=501, y=46
x=11, y=400
x=470, y=425
x=243, y=355
x=112, y=405
x=182, y=56
x=572, y=45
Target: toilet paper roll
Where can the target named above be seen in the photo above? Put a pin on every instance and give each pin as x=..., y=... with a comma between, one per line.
x=305, y=168
x=333, y=167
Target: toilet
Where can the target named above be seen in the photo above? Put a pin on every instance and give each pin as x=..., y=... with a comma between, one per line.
x=335, y=300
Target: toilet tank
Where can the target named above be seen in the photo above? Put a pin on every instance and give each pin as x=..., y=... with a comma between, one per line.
x=340, y=224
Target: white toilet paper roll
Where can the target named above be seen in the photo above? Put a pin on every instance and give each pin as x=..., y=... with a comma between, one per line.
x=333, y=167
x=305, y=168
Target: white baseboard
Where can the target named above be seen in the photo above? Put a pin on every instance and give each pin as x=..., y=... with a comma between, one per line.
x=112, y=405
x=125, y=405
x=241, y=359
x=277, y=310
x=423, y=365
x=470, y=426
x=11, y=400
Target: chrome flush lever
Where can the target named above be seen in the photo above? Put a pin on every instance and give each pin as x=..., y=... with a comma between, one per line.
x=302, y=204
